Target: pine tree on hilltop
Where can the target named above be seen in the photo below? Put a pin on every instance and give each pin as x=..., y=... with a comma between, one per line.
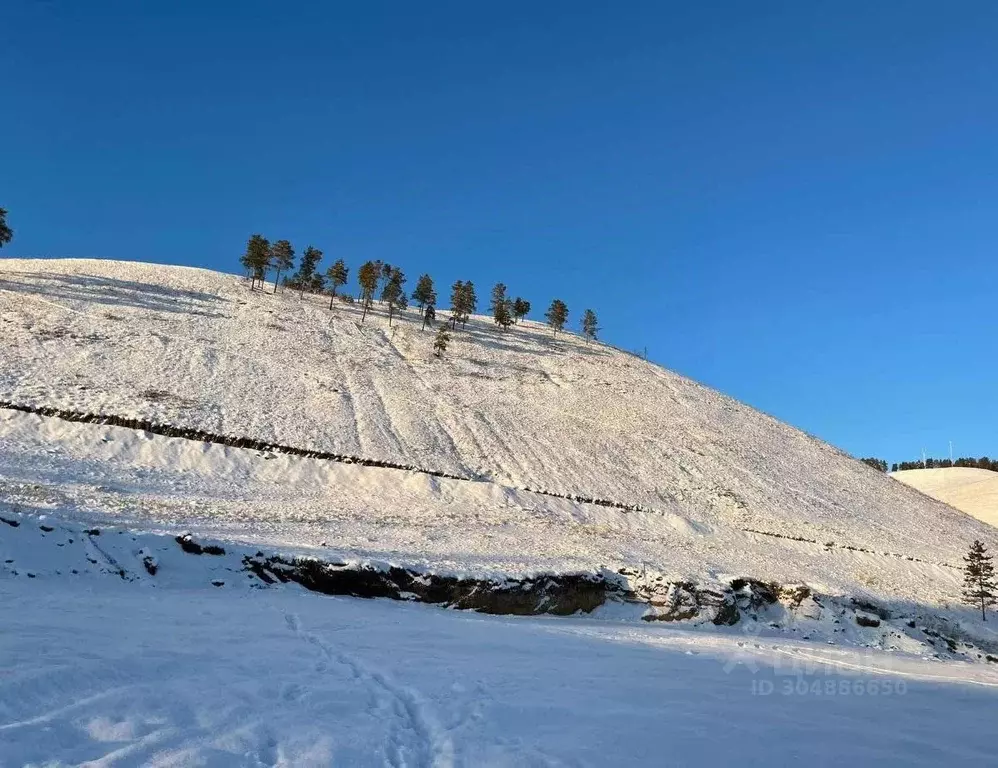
x=393, y=294
x=557, y=315
x=337, y=276
x=368, y=275
x=469, y=302
x=256, y=259
x=424, y=293
x=979, y=579
x=504, y=314
x=282, y=257
x=501, y=306
x=305, y=278
x=386, y=274
x=441, y=340
x=6, y=233
x=521, y=309
x=497, y=300
x=589, y=325
x=456, y=299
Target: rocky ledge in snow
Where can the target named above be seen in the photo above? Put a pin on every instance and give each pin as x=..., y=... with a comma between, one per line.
x=45, y=548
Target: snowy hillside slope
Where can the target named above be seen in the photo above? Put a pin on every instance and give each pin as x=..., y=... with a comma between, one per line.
x=726, y=491
x=974, y=491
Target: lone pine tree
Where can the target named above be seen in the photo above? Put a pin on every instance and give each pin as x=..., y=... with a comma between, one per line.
x=282, y=257
x=498, y=301
x=386, y=273
x=469, y=302
x=979, y=578
x=6, y=233
x=504, y=313
x=337, y=276
x=456, y=294
x=368, y=275
x=393, y=294
x=305, y=279
x=521, y=309
x=441, y=340
x=424, y=293
x=589, y=325
x=557, y=315
x=256, y=259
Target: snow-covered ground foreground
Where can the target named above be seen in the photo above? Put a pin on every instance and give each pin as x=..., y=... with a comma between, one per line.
x=125, y=676
x=974, y=491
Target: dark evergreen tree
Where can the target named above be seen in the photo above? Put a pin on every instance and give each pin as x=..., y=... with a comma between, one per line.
x=469, y=302
x=305, y=278
x=337, y=276
x=393, y=293
x=6, y=233
x=368, y=275
x=456, y=302
x=878, y=464
x=557, y=315
x=979, y=578
x=317, y=284
x=590, y=326
x=424, y=293
x=386, y=274
x=441, y=340
x=504, y=313
x=282, y=257
x=429, y=315
x=521, y=309
x=497, y=302
x=256, y=259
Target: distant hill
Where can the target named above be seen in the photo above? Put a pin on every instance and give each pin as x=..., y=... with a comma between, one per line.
x=974, y=491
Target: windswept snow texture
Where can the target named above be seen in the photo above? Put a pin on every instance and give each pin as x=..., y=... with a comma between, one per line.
x=728, y=491
x=974, y=491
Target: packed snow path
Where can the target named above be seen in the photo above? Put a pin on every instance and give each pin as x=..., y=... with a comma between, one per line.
x=140, y=677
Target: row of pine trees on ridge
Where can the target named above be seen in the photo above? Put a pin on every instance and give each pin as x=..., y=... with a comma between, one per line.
x=386, y=283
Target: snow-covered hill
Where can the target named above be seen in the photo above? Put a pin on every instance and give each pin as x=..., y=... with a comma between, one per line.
x=974, y=491
x=724, y=490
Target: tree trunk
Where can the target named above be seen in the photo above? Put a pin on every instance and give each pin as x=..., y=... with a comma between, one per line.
x=332, y=296
x=391, y=311
x=277, y=279
x=364, y=316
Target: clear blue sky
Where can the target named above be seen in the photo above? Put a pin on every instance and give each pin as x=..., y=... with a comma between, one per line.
x=792, y=202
